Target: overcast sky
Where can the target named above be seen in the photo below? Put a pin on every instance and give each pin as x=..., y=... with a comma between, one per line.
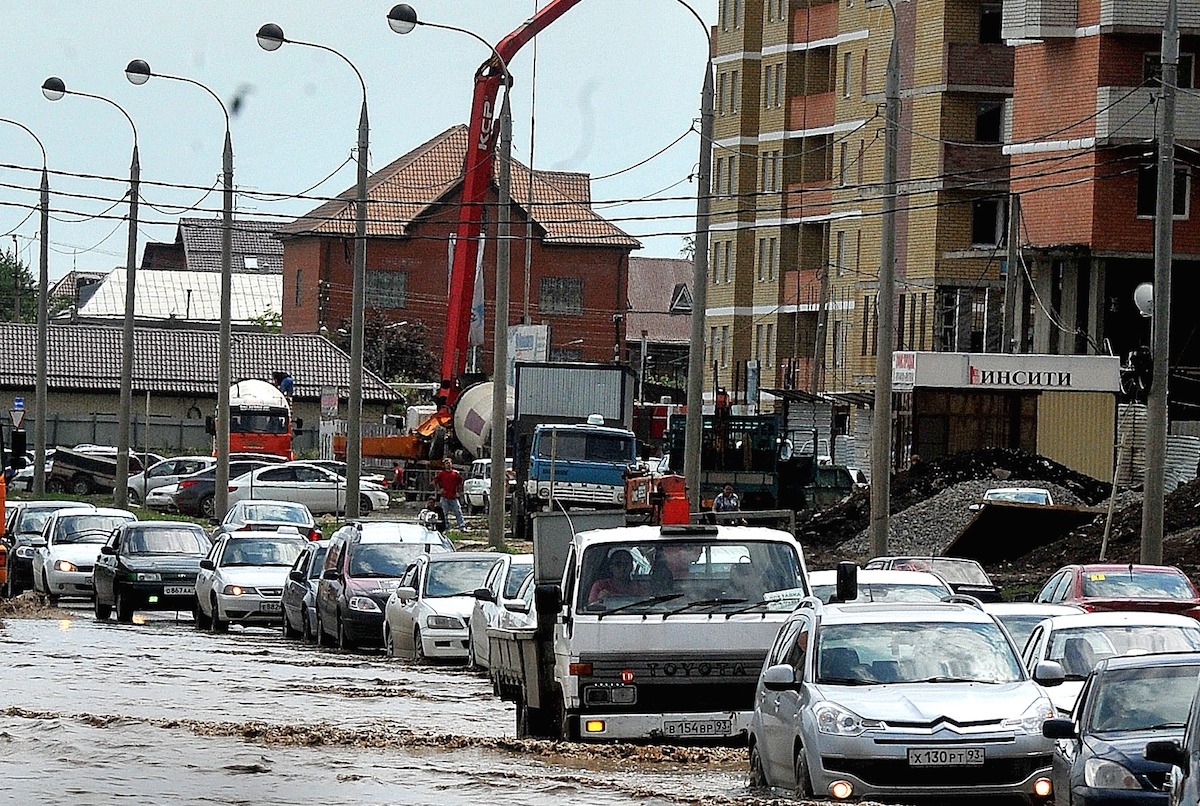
x=617, y=80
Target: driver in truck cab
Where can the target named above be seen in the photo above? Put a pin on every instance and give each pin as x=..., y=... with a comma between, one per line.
x=616, y=579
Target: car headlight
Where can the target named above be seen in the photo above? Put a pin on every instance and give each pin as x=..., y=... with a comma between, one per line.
x=835, y=720
x=146, y=576
x=1031, y=721
x=364, y=604
x=1101, y=774
x=25, y=552
x=237, y=590
x=65, y=565
x=443, y=623
x=543, y=492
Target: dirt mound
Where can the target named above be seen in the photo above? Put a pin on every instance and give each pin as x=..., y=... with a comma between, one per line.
x=827, y=529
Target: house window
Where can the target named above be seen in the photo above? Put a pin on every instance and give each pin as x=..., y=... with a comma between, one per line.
x=839, y=344
x=725, y=345
x=299, y=286
x=387, y=289
x=733, y=91
x=717, y=174
x=773, y=263
x=989, y=120
x=866, y=321
x=770, y=344
x=566, y=354
x=863, y=73
x=847, y=71
x=739, y=8
x=725, y=15
x=728, y=259
x=712, y=344
x=721, y=78
x=758, y=343
x=840, y=258
x=762, y=259
x=561, y=295
x=715, y=268
x=987, y=222
x=843, y=164
x=1152, y=69
x=778, y=85
x=1147, y=192
x=991, y=20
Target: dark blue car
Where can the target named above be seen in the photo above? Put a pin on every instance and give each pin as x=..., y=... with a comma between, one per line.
x=1126, y=702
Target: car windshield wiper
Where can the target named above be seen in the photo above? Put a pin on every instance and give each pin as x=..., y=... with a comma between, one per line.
x=952, y=679
x=717, y=602
x=847, y=681
x=653, y=600
x=1161, y=726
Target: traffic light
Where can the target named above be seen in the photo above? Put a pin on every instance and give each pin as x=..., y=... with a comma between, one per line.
x=17, y=453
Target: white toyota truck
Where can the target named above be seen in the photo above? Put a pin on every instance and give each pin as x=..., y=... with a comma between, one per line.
x=648, y=632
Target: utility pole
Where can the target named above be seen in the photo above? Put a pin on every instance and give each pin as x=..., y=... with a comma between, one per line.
x=1008, y=337
x=498, y=489
x=818, y=367
x=881, y=425
x=1160, y=338
x=16, y=283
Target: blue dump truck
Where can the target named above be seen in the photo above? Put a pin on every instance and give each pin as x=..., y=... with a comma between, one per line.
x=578, y=465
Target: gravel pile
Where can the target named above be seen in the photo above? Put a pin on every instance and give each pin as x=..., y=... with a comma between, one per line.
x=930, y=525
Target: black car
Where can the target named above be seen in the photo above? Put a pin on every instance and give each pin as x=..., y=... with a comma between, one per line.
x=1127, y=702
x=149, y=565
x=300, y=592
x=197, y=492
x=23, y=534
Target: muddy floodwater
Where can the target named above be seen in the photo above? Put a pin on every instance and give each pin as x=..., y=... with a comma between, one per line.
x=160, y=713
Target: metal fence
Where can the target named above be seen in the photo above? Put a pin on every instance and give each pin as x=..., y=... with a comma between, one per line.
x=162, y=435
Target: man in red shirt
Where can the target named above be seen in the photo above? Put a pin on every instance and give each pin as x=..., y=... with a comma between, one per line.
x=449, y=482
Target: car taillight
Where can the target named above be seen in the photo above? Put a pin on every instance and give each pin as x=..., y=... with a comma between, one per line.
x=1087, y=608
x=245, y=527
x=315, y=534
x=183, y=485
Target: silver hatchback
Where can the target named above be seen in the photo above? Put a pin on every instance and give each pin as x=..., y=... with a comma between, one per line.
x=921, y=699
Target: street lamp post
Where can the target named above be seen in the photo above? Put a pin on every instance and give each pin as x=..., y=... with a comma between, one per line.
x=54, y=89
x=403, y=19
x=138, y=72
x=40, y=385
x=270, y=38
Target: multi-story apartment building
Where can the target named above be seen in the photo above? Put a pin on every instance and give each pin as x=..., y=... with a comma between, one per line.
x=1083, y=150
x=797, y=168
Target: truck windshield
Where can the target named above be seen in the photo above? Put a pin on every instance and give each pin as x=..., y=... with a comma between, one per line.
x=258, y=422
x=574, y=446
x=694, y=576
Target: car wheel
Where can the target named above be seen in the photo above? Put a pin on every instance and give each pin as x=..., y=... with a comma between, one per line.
x=364, y=505
x=389, y=644
x=344, y=642
x=123, y=606
x=207, y=507
x=51, y=598
x=81, y=485
x=217, y=623
x=103, y=611
x=56, y=486
x=203, y=622
x=419, y=648
x=804, y=787
x=132, y=495
x=758, y=776
x=472, y=665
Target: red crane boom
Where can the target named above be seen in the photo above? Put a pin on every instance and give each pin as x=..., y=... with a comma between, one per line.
x=477, y=176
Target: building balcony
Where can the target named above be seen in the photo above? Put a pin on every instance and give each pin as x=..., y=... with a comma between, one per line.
x=811, y=111
x=1040, y=19
x=815, y=23
x=805, y=199
x=973, y=65
x=1144, y=16
x=801, y=290
x=970, y=165
x=1126, y=115
x=1053, y=19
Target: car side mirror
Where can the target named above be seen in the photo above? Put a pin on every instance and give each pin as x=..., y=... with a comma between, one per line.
x=107, y=549
x=207, y=564
x=1166, y=751
x=332, y=573
x=484, y=595
x=214, y=522
x=1058, y=729
x=406, y=593
x=516, y=607
x=781, y=677
x=1048, y=673
x=297, y=575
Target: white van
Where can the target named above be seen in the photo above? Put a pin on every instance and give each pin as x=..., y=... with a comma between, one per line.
x=478, y=484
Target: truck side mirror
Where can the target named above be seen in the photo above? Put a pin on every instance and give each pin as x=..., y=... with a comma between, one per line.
x=207, y=564
x=547, y=599
x=210, y=426
x=847, y=582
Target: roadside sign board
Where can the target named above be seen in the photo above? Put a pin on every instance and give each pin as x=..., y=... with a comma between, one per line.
x=19, y=403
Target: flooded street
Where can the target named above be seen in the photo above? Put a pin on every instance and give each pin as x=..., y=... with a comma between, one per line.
x=101, y=713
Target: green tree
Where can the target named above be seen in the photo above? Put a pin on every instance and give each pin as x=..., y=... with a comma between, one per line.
x=395, y=351
x=16, y=281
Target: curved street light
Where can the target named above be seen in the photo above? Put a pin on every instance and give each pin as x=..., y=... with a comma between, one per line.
x=270, y=38
x=138, y=72
x=40, y=385
x=54, y=89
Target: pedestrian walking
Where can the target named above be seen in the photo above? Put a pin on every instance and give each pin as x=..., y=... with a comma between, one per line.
x=449, y=482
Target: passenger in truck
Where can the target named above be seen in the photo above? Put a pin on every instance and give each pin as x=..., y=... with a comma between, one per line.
x=617, y=580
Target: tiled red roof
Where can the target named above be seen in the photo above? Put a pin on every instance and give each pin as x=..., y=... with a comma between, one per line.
x=405, y=189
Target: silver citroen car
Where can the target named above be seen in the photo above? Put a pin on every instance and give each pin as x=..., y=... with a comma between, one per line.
x=897, y=700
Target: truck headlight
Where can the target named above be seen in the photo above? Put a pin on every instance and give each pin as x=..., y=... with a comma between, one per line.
x=65, y=565
x=1031, y=721
x=443, y=623
x=1101, y=774
x=543, y=492
x=364, y=604
x=237, y=590
x=835, y=720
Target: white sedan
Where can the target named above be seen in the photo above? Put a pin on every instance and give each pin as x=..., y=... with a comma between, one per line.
x=319, y=489
x=241, y=580
x=502, y=586
x=63, y=566
x=162, y=499
x=426, y=616
x=1080, y=642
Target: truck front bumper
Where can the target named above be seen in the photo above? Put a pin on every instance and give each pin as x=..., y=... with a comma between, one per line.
x=664, y=727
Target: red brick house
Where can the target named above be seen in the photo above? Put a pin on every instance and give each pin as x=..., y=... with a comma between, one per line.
x=578, y=281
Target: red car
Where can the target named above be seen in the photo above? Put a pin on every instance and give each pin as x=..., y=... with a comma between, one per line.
x=1157, y=588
